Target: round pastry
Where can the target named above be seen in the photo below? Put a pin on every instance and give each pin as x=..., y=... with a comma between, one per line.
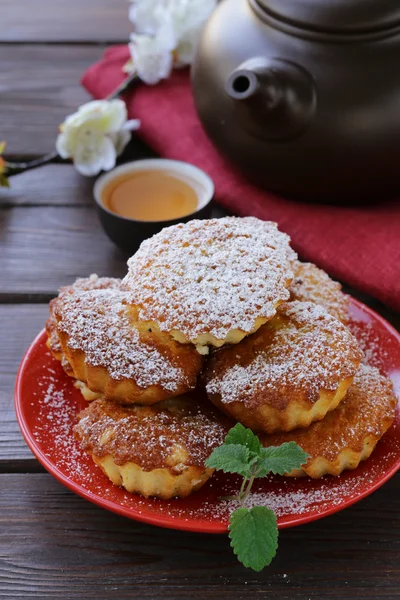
x=289, y=373
x=311, y=284
x=53, y=341
x=211, y=282
x=114, y=355
x=155, y=450
x=348, y=434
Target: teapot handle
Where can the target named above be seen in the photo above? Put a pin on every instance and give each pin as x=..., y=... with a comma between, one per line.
x=274, y=99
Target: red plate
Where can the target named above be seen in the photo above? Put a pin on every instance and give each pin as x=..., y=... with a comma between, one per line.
x=47, y=403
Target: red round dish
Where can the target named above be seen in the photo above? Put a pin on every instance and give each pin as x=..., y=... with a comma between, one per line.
x=46, y=404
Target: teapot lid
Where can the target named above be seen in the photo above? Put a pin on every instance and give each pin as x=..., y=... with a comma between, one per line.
x=341, y=16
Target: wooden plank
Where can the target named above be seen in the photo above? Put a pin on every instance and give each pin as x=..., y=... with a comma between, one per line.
x=15, y=455
x=56, y=545
x=43, y=248
x=39, y=86
x=57, y=184
x=18, y=327
x=19, y=324
x=64, y=21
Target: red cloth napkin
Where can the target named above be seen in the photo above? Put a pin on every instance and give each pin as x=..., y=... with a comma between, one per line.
x=357, y=245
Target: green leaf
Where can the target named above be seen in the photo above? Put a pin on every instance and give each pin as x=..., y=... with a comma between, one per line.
x=280, y=459
x=245, y=437
x=254, y=536
x=231, y=458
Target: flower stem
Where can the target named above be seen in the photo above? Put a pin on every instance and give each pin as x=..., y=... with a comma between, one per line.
x=13, y=168
x=124, y=86
x=30, y=164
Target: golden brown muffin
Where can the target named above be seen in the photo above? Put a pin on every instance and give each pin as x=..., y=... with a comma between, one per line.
x=88, y=283
x=289, y=373
x=348, y=434
x=311, y=284
x=116, y=356
x=153, y=451
x=211, y=282
x=53, y=342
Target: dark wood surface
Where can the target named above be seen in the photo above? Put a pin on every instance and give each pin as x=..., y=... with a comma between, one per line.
x=54, y=544
x=39, y=86
x=57, y=545
x=63, y=21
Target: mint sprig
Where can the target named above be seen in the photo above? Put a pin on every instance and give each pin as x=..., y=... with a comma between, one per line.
x=253, y=532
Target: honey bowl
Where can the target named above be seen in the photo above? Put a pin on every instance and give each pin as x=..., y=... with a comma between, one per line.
x=138, y=199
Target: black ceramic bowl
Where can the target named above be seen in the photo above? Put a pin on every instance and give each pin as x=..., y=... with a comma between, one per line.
x=127, y=233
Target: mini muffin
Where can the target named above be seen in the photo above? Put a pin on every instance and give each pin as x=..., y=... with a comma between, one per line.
x=292, y=371
x=211, y=282
x=153, y=451
x=53, y=341
x=348, y=434
x=311, y=284
x=114, y=355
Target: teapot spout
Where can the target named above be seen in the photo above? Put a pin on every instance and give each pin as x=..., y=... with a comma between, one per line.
x=255, y=88
x=274, y=99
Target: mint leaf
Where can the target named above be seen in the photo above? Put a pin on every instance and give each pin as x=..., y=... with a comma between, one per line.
x=245, y=437
x=254, y=536
x=280, y=459
x=232, y=458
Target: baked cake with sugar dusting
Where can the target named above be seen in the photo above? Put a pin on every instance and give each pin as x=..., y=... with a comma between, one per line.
x=311, y=284
x=211, y=282
x=292, y=371
x=112, y=354
x=53, y=341
x=348, y=434
x=94, y=282
x=157, y=450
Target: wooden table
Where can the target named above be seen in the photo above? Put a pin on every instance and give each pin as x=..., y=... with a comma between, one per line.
x=54, y=544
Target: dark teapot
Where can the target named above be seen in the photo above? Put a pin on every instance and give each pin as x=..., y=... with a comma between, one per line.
x=304, y=95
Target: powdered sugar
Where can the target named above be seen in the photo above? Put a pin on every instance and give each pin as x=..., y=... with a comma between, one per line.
x=56, y=415
x=285, y=499
x=98, y=323
x=311, y=284
x=375, y=351
x=147, y=435
x=307, y=350
x=210, y=277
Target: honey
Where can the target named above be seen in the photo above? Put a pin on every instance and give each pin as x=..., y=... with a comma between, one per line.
x=150, y=196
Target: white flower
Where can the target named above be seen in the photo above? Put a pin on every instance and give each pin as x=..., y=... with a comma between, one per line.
x=147, y=15
x=153, y=56
x=165, y=35
x=95, y=135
